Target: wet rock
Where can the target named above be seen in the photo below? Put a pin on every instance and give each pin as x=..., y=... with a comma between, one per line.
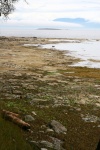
x=57, y=127
x=29, y=118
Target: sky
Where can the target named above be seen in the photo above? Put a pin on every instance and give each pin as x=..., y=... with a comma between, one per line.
x=60, y=14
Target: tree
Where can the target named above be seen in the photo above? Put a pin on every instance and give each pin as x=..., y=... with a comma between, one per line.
x=6, y=7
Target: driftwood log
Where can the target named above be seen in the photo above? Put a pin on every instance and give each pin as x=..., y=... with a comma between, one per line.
x=13, y=117
x=6, y=113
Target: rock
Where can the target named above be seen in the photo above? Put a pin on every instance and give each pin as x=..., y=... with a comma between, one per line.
x=29, y=118
x=53, y=46
x=57, y=143
x=46, y=144
x=78, y=109
x=33, y=112
x=35, y=100
x=49, y=130
x=17, y=92
x=34, y=145
x=97, y=85
x=98, y=104
x=43, y=126
x=90, y=118
x=57, y=127
x=35, y=37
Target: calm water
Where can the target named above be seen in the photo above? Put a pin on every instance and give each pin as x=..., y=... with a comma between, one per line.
x=87, y=34
x=88, y=51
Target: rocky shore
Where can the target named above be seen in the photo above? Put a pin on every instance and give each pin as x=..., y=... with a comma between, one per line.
x=61, y=103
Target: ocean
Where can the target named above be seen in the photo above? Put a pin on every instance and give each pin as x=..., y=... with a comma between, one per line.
x=22, y=32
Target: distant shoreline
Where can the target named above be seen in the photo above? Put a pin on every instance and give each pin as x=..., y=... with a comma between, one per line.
x=48, y=29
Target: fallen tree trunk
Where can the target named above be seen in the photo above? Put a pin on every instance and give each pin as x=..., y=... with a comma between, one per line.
x=13, y=117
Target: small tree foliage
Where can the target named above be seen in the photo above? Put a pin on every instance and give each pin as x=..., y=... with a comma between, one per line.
x=6, y=7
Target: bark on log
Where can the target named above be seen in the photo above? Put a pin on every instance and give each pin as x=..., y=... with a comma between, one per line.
x=5, y=113
x=13, y=117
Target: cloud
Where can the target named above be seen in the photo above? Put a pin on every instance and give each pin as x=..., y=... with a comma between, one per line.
x=43, y=13
x=40, y=24
x=81, y=21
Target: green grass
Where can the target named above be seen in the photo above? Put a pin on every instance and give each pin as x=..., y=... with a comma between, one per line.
x=11, y=137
